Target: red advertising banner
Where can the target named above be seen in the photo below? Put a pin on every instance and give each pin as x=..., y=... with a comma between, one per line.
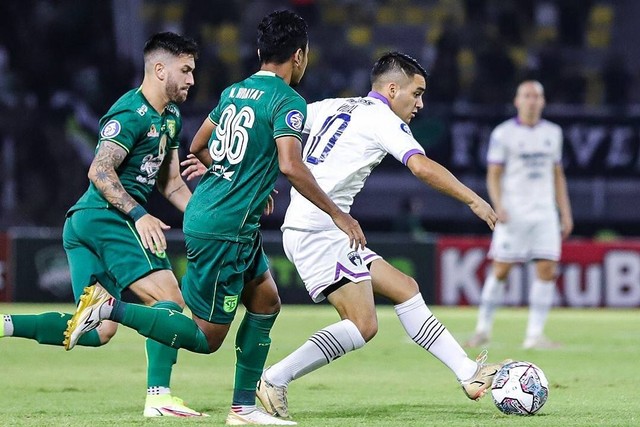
x=591, y=274
x=5, y=284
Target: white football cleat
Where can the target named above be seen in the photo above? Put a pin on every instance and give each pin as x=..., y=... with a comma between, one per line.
x=256, y=417
x=273, y=397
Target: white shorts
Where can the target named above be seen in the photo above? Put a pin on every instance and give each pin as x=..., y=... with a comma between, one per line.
x=323, y=258
x=522, y=241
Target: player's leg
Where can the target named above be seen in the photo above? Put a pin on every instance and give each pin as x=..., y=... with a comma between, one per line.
x=329, y=269
x=160, y=290
x=355, y=305
x=491, y=299
x=426, y=330
x=48, y=328
x=541, y=297
x=508, y=245
x=546, y=244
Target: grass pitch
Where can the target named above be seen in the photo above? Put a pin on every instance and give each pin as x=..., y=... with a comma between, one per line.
x=390, y=382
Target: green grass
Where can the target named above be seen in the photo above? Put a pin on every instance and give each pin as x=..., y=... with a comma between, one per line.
x=390, y=382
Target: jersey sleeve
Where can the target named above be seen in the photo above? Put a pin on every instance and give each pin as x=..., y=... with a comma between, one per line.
x=395, y=137
x=497, y=153
x=313, y=110
x=123, y=128
x=558, y=153
x=289, y=118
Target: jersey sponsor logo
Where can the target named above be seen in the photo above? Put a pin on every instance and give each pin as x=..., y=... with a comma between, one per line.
x=222, y=171
x=405, y=128
x=111, y=129
x=171, y=125
x=153, y=132
x=142, y=110
x=355, y=258
x=294, y=120
x=230, y=303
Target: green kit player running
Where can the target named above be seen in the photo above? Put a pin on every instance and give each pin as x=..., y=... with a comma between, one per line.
x=255, y=129
x=108, y=236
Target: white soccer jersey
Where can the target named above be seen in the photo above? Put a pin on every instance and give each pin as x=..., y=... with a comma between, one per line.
x=348, y=137
x=529, y=155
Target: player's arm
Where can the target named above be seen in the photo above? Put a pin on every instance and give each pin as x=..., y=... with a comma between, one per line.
x=494, y=178
x=200, y=143
x=300, y=177
x=562, y=200
x=438, y=177
x=170, y=183
x=103, y=175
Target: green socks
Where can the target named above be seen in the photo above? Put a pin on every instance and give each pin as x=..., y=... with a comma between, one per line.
x=165, y=324
x=48, y=328
x=252, y=347
x=161, y=358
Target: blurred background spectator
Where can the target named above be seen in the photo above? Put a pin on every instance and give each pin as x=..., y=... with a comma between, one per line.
x=62, y=63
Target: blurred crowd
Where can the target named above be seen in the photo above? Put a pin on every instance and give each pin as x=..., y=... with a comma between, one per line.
x=63, y=63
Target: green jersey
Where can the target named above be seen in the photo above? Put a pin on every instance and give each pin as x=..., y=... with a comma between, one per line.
x=231, y=196
x=146, y=135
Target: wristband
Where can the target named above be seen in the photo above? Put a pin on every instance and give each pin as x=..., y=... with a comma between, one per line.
x=137, y=213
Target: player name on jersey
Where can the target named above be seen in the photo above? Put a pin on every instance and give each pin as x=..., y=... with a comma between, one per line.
x=245, y=93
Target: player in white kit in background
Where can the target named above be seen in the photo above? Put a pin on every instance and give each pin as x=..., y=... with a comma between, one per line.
x=348, y=137
x=528, y=189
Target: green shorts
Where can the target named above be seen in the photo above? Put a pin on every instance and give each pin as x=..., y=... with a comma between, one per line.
x=216, y=273
x=102, y=245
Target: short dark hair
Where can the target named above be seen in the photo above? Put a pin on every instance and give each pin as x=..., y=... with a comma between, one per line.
x=280, y=35
x=173, y=43
x=397, y=61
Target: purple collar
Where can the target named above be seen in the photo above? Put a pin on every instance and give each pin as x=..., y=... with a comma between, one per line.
x=378, y=95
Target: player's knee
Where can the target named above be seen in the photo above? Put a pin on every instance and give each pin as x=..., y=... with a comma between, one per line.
x=368, y=327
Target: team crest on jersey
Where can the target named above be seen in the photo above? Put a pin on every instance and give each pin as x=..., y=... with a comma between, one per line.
x=171, y=126
x=153, y=132
x=354, y=257
x=230, y=303
x=111, y=129
x=294, y=120
x=405, y=128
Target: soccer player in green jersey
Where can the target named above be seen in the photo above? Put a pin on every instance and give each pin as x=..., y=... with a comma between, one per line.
x=108, y=236
x=254, y=131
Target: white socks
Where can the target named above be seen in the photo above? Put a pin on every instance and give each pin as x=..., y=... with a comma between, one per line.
x=7, y=325
x=158, y=390
x=491, y=298
x=427, y=331
x=540, y=302
x=320, y=349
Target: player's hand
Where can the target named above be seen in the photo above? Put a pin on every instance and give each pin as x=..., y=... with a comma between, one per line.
x=484, y=211
x=151, y=231
x=566, y=225
x=194, y=167
x=503, y=215
x=271, y=204
x=351, y=227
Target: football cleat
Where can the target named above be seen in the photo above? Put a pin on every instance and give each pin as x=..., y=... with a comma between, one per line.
x=256, y=417
x=273, y=397
x=476, y=386
x=540, y=343
x=166, y=405
x=87, y=315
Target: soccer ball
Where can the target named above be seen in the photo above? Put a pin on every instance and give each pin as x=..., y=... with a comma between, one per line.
x=520, y=388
